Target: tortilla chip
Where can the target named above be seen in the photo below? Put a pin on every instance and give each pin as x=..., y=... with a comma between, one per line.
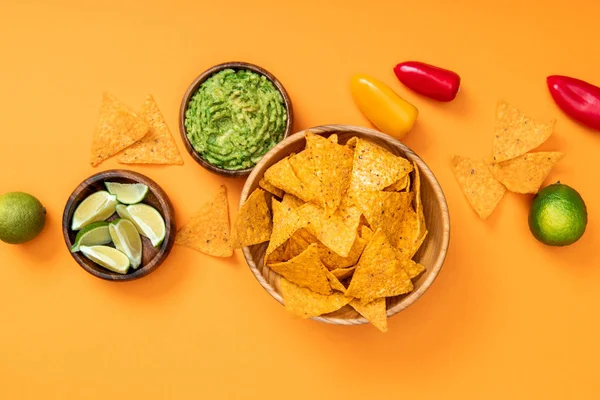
x=478, y=184
x=158, y=146
x=289, y=200
x=253, y=224
x=282, y=176
x=516, y=133
x=208, y=231
x=410, y=251
x=302, y=239
x=343, y=273
x=118, y=127
x=286, y=221
x=350, y=215
x=412, y=268
x=304, y=303
x=391, y=212
x=305, y=270
x=270, y=188
x=305, y=169
x=366, y=233
x=329, y=230
x=378, y=273
x=418, y=202
x=400, y=185
x=333, y=138
x=335, y=283
x=526, y=173
x=351, y=143
x=375, y=168
x=375, y=312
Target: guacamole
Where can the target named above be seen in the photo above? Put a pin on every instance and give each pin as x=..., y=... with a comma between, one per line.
x=234, y=118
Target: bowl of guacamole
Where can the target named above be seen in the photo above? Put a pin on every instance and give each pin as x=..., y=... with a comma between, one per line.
x=232, y=115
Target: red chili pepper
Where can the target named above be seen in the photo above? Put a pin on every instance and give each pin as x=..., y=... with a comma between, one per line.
x=438, y=83
x=578, y=99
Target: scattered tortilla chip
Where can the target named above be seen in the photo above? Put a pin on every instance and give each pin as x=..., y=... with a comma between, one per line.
x=378, y=273
x=400, y=185
x=289, y=200
x=304, y=303
x=375, y=168
x=305, y=270
x=270, y=188
x=391, y=212
x=343, y=273
x=335, y=283
x=366, y=233
x=478, y=184
x=329, y=230
x=375, y=312
x=516, y=134
x=282, y=176
x=118, y=127
x=158, y=146
x=253, y=224
x=412, y=268
x=302, y=239
x=286, y=221
x=208, y=231
x=526, y=173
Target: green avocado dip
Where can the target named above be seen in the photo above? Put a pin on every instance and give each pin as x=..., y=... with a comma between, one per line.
x=234, y=118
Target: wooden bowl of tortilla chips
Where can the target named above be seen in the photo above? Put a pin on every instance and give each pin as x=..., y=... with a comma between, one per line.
x=411, y=239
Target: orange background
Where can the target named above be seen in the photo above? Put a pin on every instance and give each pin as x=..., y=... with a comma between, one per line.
x=507, y=317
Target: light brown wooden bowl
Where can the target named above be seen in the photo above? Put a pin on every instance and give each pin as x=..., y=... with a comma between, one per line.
x=152, y=257
x=431, y=254
x=193, y=88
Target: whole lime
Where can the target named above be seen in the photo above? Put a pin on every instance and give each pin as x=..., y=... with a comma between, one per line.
x=558, y=215
x=22, y=217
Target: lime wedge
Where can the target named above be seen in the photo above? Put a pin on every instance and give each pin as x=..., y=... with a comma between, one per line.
x=127, y=193
x=108, y=257
x=92, y=235
x=147, y=221
x=96, y=207
x=127, y=240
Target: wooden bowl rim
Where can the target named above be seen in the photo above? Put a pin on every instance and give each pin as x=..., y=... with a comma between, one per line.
x=439, y=194
x=167, y=213
x=191, y=90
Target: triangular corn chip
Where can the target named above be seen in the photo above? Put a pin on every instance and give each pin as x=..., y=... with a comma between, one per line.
x=304, y=303
x=305, y=270
x=526, y=173
x=516, y=134
x=158, y=146
x=208, y=231
x=375, y=312
x=253, y=224
x=478, y=184
x=118, y=127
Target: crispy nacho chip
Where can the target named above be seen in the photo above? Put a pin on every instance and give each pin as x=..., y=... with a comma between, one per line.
x=329, y=230
x=478, y=184
x=286, y=221
x=289, y=200
x=335, y=283
x=526, y=173
x=305, y=270
x=378, y=273
x=375, y=312
x=118, y=127
x=412, y=268
x=400, y=185
x=366, y=233
x=343, y=273
x=282, y=176
x=253, y=224
x=351, y=143
x=208, y=231
x=516, y=134
x=375, y=168
x=158, y=146
x=305, y=168
x=270, y=188
x=392, y=213
x=418, y=202
x=302, y=239
x=304, y=303
x=333, y=138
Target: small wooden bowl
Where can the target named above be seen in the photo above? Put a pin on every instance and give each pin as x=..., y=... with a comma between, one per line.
x=235, y=65
x=431, y=254
x=152, y=257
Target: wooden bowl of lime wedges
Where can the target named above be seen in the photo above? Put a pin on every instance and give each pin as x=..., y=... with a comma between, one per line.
x=119, y=225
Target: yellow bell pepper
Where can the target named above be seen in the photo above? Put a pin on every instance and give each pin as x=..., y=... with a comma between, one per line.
x=389, y=112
